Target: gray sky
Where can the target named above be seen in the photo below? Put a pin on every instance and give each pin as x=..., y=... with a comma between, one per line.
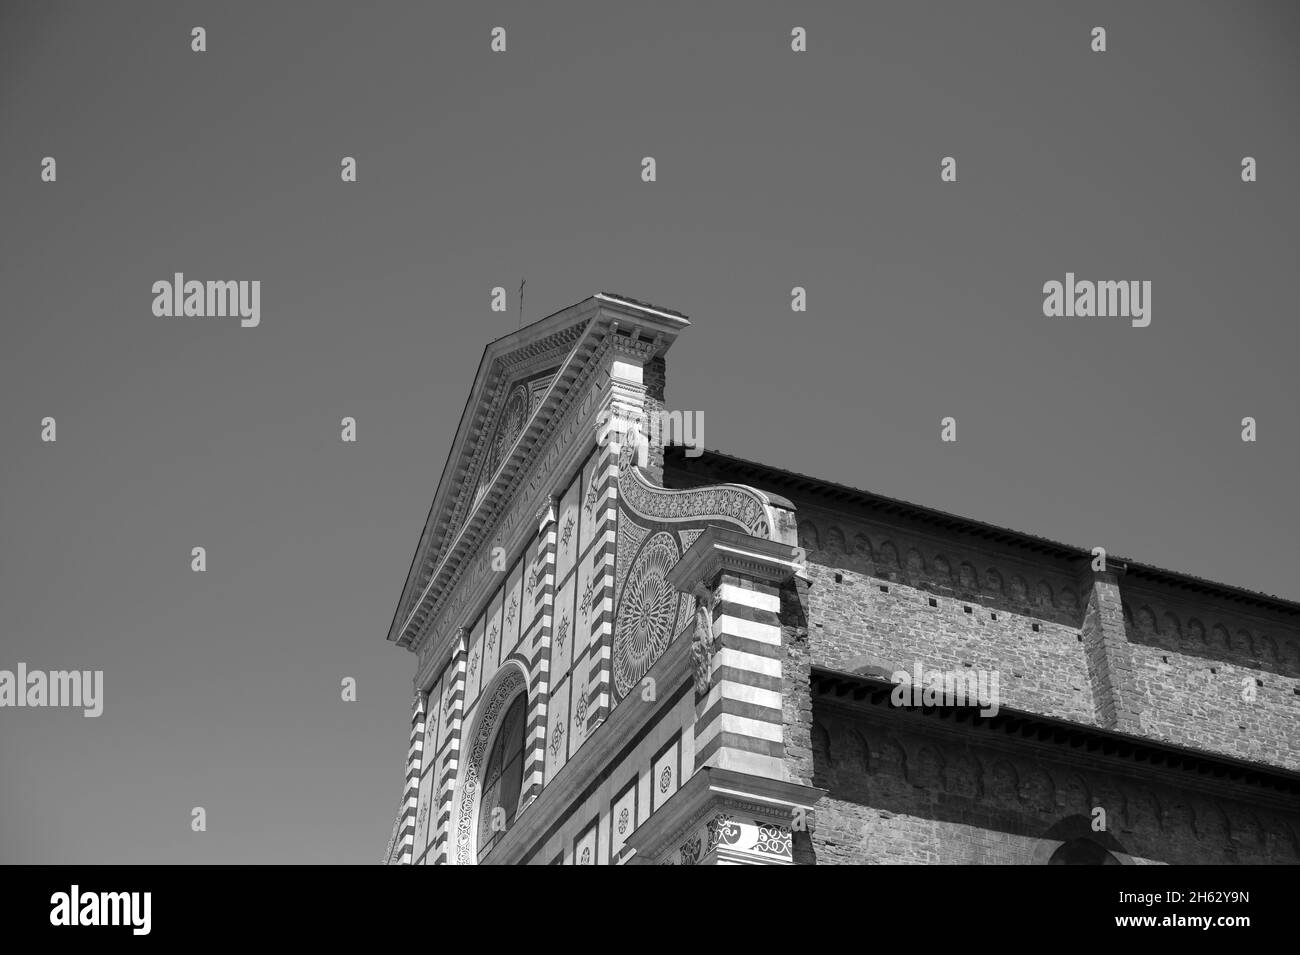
x=774, y=170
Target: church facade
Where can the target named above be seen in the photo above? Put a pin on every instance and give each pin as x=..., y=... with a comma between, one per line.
x=628, y=654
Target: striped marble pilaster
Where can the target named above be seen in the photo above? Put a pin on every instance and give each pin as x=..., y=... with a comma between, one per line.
x=411, y=798
x=735, y=579
x=451, y=710
x=539, y=655
x=601, y=645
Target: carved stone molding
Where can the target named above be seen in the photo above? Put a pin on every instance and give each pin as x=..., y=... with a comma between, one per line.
x=721, y=816
x=633, y=345
x=726, y=550
x=509, y=683
x=702, y=641
x=736, y=504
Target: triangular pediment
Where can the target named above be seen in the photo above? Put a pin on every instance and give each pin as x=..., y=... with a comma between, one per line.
x=522, y=387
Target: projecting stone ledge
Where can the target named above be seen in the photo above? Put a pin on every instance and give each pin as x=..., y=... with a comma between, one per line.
x=723, y=817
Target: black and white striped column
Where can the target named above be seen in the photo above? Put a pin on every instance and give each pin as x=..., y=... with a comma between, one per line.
x=739, y=720
x=414, y=762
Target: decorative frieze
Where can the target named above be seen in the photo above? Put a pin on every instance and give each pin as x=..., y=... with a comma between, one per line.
x=731, y=503
x=724, y=817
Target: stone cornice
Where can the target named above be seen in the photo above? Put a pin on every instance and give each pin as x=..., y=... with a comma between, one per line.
x=632, y=345
x=727, y=550
x=1115, y=569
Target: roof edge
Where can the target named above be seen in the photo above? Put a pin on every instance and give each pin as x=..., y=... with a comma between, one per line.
x=1136, y=569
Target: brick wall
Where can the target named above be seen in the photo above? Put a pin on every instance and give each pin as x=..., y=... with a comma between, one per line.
x=1209, y=676
x=885, y=596
x=1199, y=673
x=900, y=795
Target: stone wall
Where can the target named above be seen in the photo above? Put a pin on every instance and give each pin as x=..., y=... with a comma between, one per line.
x=1198, y=671
x=896, y=794
x=1213, y=677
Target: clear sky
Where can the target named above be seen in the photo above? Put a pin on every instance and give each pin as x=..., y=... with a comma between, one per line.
x=477, y=169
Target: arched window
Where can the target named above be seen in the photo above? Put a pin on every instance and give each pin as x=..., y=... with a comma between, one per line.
x=1081, y=852
x=503, y=776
